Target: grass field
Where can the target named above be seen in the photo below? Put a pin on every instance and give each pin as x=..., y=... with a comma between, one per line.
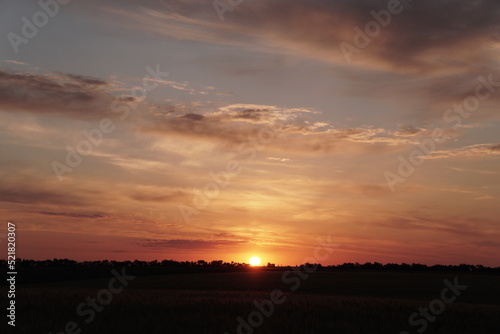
x=325, y=302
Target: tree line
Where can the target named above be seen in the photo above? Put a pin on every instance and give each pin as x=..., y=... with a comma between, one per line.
x=27, y=263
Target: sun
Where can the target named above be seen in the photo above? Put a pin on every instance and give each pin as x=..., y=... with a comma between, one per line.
x=255, y=261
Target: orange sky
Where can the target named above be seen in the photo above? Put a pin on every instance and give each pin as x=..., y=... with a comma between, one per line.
x=255, y=135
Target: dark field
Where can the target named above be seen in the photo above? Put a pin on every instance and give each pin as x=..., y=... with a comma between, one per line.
x=324, y=302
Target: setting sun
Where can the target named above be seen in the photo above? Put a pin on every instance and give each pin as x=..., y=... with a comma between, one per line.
x=255, y=261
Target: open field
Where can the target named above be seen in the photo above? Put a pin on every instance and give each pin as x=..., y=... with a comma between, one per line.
x=325, y=302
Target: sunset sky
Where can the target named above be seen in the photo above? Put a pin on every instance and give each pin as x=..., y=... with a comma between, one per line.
x=309, y=117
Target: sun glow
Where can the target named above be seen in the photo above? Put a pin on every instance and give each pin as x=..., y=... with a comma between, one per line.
x=254, y=261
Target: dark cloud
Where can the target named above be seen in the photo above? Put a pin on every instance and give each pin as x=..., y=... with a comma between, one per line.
x=27, y=195
x=495, y=148
x=75, y=215
x=150, y=196
x=408, y=131
x=85, y=80
x=204, y=127
x=193, y=117
x=225, y=235
x=67, y=94
x=26, y=188
x=251, y=114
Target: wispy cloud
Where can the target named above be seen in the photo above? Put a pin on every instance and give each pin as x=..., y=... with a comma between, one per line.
x=189, y=244
x=280, y=26
x=235, y=124
x=477, y=150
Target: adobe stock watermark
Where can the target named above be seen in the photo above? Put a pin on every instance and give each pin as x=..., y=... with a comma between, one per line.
x=222, y=6
x=456, y=114
x=293, y=278
x=436, y=306
x=220, y=180
x=106, y=126
x=372, y=29
x=30, y=28
x=87, y=310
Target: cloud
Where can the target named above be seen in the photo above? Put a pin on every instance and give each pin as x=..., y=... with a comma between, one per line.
x=356, y=189
x=459, y=226
x=193, y=117
x=15, y=62
x=482, y=198
x=85, y=80
x=404, y=60
x=83, y=97
x=414, y=40
x=278, y=159
x=406, y=131
x=479, y=171
x=75, y=215
x=70, y=95
x=256, y=113
x=31, y=195
x=189, y=244
x=478, y=150
x=150, y=195
x=282, y=129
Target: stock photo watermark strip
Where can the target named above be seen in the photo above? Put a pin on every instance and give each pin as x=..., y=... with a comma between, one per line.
x=11, y=273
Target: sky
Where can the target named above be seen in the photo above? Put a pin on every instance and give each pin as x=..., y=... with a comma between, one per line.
x=188, y=130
